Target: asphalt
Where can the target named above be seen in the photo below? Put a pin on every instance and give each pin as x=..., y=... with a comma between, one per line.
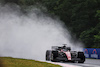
x=93, y=61
x=87, y=63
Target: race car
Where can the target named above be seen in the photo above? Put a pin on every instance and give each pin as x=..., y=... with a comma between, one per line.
x=64, y=53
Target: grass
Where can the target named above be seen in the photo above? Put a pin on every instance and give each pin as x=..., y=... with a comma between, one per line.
x=16, y=62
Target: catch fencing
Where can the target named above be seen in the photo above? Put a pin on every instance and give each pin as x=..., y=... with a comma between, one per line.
x=92, y=53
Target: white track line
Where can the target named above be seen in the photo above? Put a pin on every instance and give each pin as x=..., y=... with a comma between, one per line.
x=64, y=65
x=72, y=65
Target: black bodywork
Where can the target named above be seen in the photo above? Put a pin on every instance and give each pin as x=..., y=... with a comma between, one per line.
x=59, y=54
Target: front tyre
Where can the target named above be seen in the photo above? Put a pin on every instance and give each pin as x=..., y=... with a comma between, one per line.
x=48, y=55
x=82, y=57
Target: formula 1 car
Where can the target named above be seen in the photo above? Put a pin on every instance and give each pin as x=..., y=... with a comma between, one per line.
x=64, y=54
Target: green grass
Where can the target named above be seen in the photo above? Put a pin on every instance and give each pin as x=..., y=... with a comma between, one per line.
x=16, y=62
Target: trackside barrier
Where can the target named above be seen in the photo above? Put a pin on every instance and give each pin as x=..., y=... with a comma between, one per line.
x=92, y=53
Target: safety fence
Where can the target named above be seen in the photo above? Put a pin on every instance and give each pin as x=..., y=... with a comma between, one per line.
x=92, y=53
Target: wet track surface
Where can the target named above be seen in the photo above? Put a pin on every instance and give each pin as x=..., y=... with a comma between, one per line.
x=93, y=61
x=87, y=63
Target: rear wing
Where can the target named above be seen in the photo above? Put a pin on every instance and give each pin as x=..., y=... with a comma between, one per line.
x=60, y=47
x=56, y=47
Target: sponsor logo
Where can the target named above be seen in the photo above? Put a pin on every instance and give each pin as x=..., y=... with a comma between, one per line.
x=94, y=54
x=86, y=53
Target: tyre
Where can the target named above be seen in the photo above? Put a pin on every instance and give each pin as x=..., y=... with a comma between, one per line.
x=81, y=56
x=48, y=55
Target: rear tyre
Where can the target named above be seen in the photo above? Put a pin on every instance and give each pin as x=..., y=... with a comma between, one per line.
x=81, y=56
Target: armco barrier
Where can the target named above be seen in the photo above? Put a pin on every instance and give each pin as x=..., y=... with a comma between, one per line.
x=92, y=53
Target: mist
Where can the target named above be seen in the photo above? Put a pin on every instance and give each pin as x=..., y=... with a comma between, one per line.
x=28, y=35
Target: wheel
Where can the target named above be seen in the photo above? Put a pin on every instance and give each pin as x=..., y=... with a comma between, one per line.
x=81, y=56
x=48, y=55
